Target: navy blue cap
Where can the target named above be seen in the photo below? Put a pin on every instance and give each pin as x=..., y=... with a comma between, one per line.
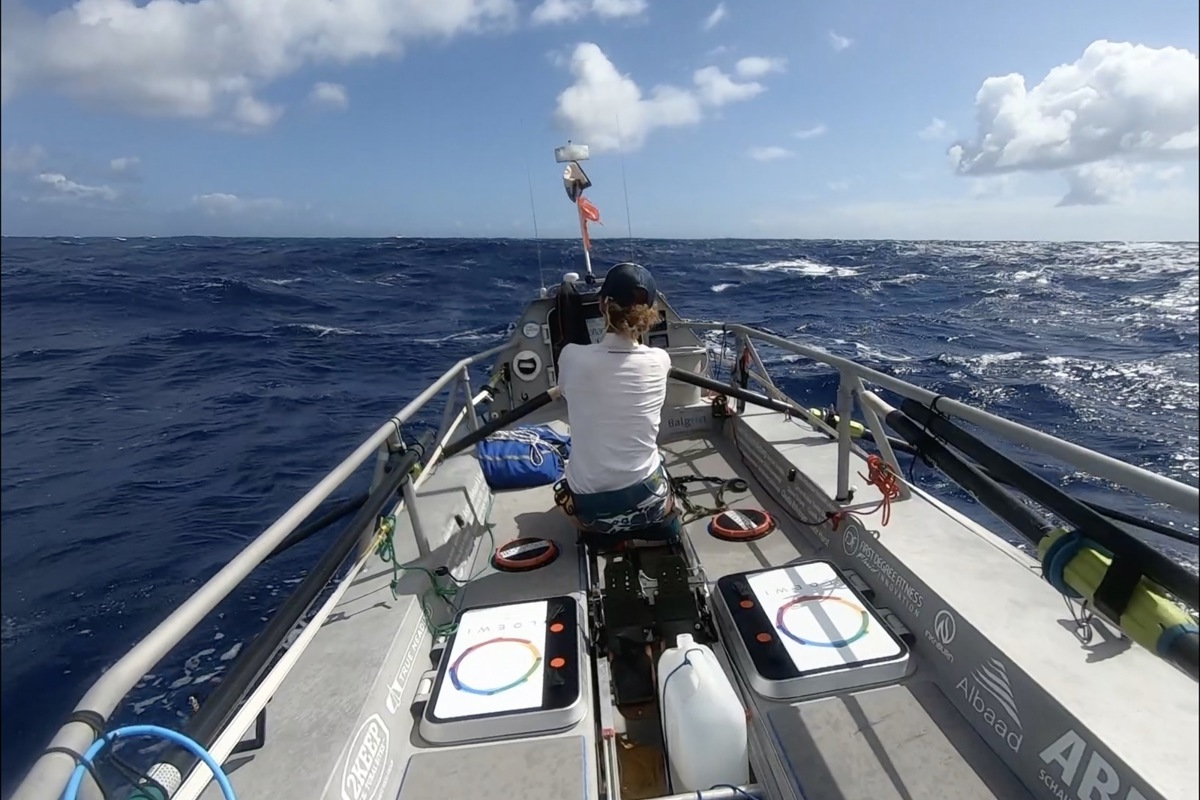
x=629, y=285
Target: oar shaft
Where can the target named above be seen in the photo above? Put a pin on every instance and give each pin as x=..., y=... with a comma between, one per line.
x=503, y=421
x=1173, y=577
x=989, y=493
x=1150, y=617
x=753, y=398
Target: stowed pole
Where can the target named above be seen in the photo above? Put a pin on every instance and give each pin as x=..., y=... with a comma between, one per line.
x=575, y=180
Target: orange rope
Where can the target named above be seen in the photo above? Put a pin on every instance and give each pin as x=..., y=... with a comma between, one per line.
x=880, y=475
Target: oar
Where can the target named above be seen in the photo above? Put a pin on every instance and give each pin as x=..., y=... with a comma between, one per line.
x=1131, y=554
x=1077, y=564
x=900, y=445
x=503, y=421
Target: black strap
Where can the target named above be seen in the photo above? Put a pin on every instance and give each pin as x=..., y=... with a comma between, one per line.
x=81, y=761
x=92, y=719
x=1116, y=589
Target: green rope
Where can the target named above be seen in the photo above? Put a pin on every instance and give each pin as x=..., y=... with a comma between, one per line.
x=443, y=587
x=695, y=511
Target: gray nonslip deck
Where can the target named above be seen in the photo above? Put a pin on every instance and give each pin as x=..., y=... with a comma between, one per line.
x=940, y=732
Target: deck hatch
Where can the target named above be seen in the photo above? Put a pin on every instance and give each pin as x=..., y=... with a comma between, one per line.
x=508, y=670
x=803, y=630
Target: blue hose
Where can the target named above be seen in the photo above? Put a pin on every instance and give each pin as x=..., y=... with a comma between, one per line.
x=72, y=790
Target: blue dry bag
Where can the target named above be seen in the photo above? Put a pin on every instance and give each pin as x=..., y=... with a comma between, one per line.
x=528, y=456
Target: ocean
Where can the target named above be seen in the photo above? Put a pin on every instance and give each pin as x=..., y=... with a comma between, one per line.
x=164, y=400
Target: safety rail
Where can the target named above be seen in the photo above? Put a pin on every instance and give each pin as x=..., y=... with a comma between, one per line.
x=51, y=772
x=850, y=387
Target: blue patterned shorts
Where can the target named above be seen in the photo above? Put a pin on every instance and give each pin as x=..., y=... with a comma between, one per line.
x=648, y=504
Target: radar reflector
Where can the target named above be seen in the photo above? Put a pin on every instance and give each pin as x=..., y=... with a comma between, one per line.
x=571, y=152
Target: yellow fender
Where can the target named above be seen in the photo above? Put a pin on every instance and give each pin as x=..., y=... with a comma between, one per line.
x=1150, y=613
x=857, y=429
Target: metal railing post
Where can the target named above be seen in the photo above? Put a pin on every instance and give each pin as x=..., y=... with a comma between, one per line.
x=449, y=410
x=845, y=406
x=472, y=417
x=410, y=505
x=880, y=435
x=756, y=360
x=431, y=460
x=1158, y=487
x=50, y=773
x=738, y=343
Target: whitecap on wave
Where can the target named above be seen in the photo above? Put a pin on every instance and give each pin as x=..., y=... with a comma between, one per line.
x=323, y=330
x=482, y=334
x=801, y=266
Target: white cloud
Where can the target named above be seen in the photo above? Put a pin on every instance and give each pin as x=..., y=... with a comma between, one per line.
x=64, y=188
x=1118, y=106
x=558, y=11
x=811, y=133
x=251, y=114
x=758, y=66
x=551, y=11
x=1169, y=173
x=1164, y=215
x=126, y=169
x=330, y=95
x=839, y=42
x=838, y=186
x=609, y=111
x=218, y=203
x=618, y=8
x=992, y=186
x=716, y=16
x=1109, y=181
x=717, y=89
x=209, y=58
x=1098, y=184
x=772, y=153
x=936, y=129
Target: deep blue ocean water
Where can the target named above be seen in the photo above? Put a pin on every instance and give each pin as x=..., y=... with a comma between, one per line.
x=164, y=400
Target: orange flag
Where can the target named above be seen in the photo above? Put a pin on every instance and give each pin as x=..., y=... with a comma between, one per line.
x=587, y=213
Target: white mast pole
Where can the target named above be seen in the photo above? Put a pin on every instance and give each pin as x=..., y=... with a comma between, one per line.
x=570, y=154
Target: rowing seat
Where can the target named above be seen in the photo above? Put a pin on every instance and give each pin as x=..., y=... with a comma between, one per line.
x=660, y=535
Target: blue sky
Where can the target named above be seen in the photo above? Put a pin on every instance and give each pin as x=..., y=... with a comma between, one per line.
x=756, y=118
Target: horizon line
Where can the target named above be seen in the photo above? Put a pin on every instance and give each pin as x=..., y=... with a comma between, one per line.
x=614, y=240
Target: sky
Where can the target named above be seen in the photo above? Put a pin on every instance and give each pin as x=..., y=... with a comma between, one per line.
x=743, y=118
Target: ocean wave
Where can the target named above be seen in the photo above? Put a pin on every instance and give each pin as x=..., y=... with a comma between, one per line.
x=801, y=266
x=166, y=399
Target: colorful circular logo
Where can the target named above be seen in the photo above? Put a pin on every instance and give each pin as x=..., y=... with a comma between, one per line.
x=797, y=602
x=531, y=651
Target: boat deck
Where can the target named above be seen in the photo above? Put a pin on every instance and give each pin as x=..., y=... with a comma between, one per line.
x=987, y=708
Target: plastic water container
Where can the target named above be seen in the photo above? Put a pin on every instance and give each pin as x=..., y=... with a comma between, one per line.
x=704, y=723
x=686, y=359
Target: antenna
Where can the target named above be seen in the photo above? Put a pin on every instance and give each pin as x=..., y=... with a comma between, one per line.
x=537, y=239
x=625, y=188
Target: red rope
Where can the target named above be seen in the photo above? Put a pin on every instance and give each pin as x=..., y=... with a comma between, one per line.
x=880, y=475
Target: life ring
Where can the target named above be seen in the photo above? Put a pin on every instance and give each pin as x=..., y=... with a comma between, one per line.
x=741, y=524
x=524, y=554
